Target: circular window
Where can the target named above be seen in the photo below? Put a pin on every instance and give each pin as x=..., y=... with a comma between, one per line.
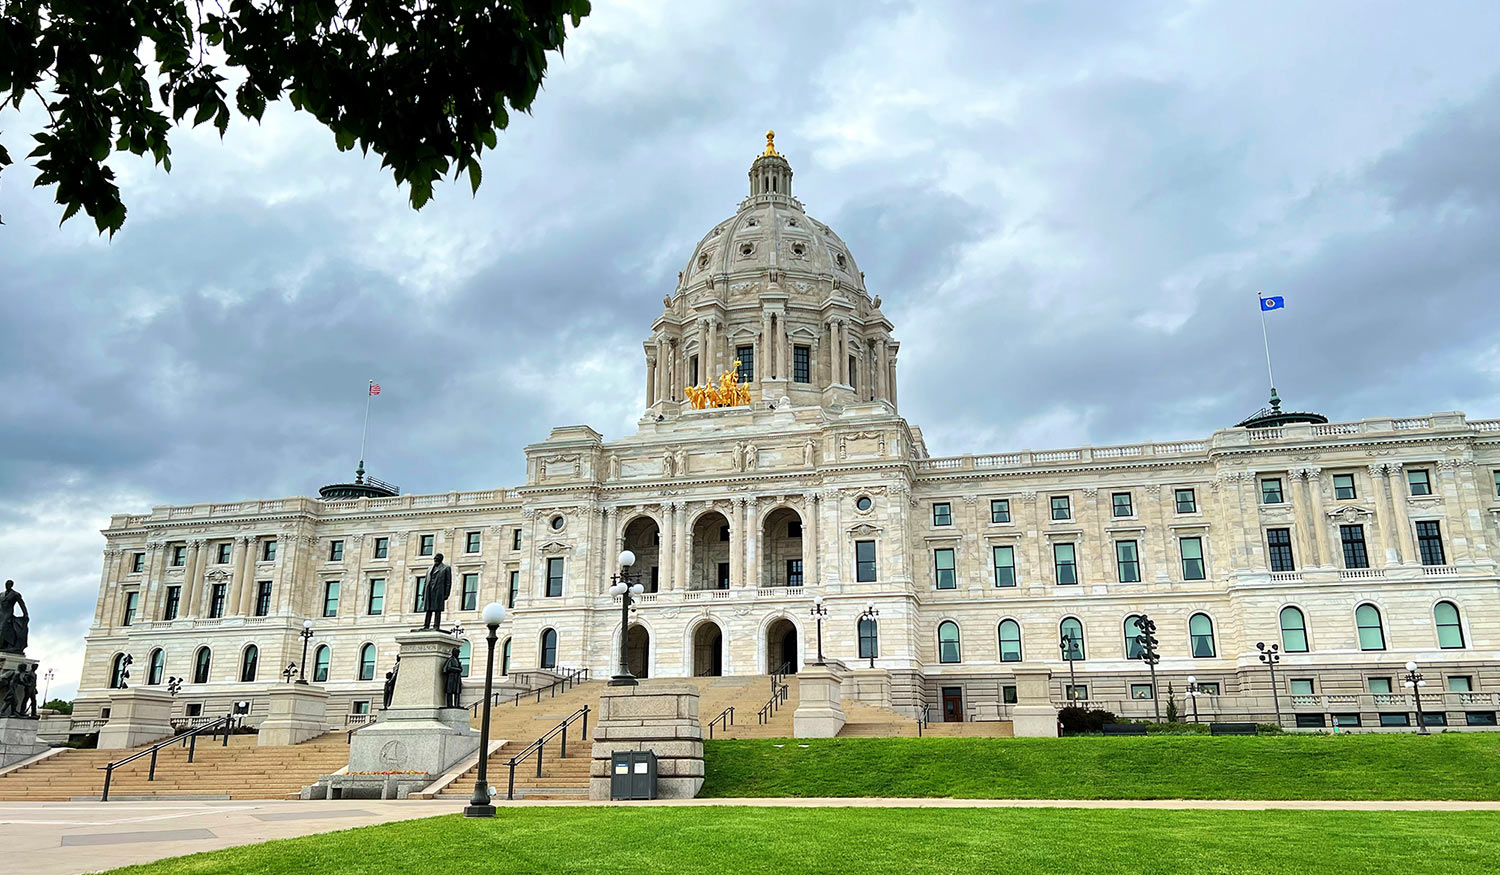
x=842, y=261
x=557, y=523
x=798, y=249
x=791, y=223
x=863, y=503
x=752, y=223
x=747, y=248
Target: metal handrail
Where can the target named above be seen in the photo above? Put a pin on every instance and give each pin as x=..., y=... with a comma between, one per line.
x=571, y=677
x=779, y=695
x=923, y=720
x=538, y=746
x=780, y=674
x=725, y=720
x=189, y=738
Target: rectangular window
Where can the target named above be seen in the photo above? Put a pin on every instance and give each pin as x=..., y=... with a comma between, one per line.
x=216, y=600
x=174, y=603
x=382, y=548
x=1353, y=539
x=1065, y=563
x=1008, y=695
x=132, y=599
x=471, y=542
x=802, y=364
x=793, y=530
x=263, y=598
x=1062, y=507
x=419, y=601
x=1395, y=720
x=335, y=551
x=942, y=563
x=693, y=370
x=1460, y=684
x=471, y=586
x=361, y=706
x=1187, y=501
x=1209, y=688
x=853, y=372
x=1077, y=692
x=426, y=546
x=268, y=551
x=1380, y=686
x=1140, y=691
x=1302, y=686
x=1000, y=510
x=554, y=577
x=1192, y=558
x=515, y=539
x=1480, y=718
x=1346, y=720
x=655, y=583
x=864, y=561
x=723, y=533
x=377, y=597
x=224, y=551
x=331, y=598
x=723, y=581
x=1128, y=561
x=515, y=589
x=1005, y=566
x=1270, y=490
x=1310, y=721
x=1122, y=504
x=1430, y=543
x=1418, y=481
x=1343, y=487
x=179, y=556
x=1279, y=543
x=137, y=563
x=794, y=572
x=942, y=514
x=745, y=355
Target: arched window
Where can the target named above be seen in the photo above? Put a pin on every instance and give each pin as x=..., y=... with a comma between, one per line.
x=464, y=651
x=869, y=638
x=249, y=662
x=549, y=648
x=1450, y=633
x=1201, y=630
x=202, y=662
x=1293, y=630
x=948, y=649
x=1135, y=645
x=1070, y=639
x=157, y=668
x=367, y=662
x=505, y=657
x=117, y=672
x=320, y=664
x=1010, y=641
x=1371, y=633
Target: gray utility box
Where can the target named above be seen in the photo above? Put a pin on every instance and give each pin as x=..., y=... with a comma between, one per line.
x=632, y=774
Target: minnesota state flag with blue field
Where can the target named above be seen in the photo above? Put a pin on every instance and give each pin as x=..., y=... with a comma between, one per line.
x=1273, y=303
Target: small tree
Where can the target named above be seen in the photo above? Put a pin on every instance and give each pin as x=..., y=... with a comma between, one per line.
x=1171, y=704
x=60, y=706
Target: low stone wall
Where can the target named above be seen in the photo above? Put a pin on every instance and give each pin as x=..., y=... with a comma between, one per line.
x=659, y=716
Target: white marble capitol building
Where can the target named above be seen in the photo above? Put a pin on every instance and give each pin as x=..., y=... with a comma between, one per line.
x=1353, y=546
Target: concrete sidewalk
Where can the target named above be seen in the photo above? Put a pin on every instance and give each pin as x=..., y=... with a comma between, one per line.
x=66, y=838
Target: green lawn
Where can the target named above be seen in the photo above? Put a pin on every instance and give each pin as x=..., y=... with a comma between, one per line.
x=874, y=840
x=1444, y=766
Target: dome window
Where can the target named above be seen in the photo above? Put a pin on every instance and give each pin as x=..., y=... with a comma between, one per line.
x=703, y=261
x=792, y=222
x=752, y=223
x=863, y=503
x=747, y=249
x=841, y=260
x=798, y=249
x=557, y=523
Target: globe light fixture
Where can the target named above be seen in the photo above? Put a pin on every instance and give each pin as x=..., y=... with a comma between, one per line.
x=480, y=804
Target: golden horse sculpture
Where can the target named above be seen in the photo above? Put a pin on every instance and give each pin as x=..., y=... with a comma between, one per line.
x=729, y=392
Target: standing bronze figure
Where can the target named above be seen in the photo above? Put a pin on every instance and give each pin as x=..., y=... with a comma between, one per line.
x=13, y=628
x=453, y=679
x=439, y=585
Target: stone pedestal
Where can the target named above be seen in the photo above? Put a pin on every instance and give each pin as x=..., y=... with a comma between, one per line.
x=658, y=716
x=416, y=734
x=137, y=716
x=869, y=686
x=1033, y=715
x=18, y=741
x=820, y=708
x=298, y=713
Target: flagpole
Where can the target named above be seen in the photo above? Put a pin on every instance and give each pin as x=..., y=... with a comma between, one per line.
x=1267, y=341
x=366, y=431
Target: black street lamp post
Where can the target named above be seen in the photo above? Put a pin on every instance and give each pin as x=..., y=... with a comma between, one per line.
x=818, y=613
x=479, y=804
x=291, y=669
x=1414, y=681
x=623, y=584
x=306, y=634
x=1270, y=656
x=1148, y=642
x=869, y=617
x=1069, y=647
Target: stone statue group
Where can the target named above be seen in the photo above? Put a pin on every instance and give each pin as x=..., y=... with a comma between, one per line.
x=18, y=683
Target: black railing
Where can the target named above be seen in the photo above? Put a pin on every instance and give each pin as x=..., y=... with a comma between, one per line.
x=569, y=678
x=188, y=739
x=538, y=747
x=779, y=695
x=723, y=721
x=922, y=720
x=367, y=722
x=778, y=677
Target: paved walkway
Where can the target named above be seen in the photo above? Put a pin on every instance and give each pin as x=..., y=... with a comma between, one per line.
x=65, y=838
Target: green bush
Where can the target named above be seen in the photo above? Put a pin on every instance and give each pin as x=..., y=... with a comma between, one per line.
x=1076, y=720
x=60, y=706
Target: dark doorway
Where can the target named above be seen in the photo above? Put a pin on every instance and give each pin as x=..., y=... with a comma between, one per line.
x=637, y=647
x=953, y=704
x=708, y=651
x=781, y=647
x=723, y=575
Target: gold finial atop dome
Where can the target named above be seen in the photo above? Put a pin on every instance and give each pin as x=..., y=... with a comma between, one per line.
x=770, y=145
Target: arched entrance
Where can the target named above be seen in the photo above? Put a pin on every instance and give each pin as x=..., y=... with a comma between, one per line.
x=782, y=537
x=643, y=538
x=708, y=650
x=781, y=646
x=709, y=565
x=637, y=651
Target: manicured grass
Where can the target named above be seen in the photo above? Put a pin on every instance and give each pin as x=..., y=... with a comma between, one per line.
x=1443, y=766
x=876, y=840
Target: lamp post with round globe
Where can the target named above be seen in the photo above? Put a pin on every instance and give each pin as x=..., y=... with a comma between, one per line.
x=306, y=634
x=623, y=584
x=1415, y=682
x=479, y=804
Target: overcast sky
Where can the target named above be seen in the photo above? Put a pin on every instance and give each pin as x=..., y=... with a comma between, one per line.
x=1068, y=206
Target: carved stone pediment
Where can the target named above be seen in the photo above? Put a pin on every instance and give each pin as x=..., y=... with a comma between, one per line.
x=1349, y=514
x=864, y=529
x=553, y=548
x=218, y=575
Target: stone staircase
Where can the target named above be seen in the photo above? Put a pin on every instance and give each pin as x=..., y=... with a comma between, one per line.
x=240, y=770
x=521, y=725
x=869, y=721
x=747, y=693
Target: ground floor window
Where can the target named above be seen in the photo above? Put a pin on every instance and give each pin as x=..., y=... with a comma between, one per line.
x=1345, y=720
x=1310, y=721
x=1077, y=692
x=1480, y=718
x=1395, y=719
x=1140, y=691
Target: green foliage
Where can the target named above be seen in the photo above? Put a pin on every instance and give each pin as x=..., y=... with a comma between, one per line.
x=60, y=706
x=1290, y=766
x=1075, y=719
x=425, y=84
x=909, y=841
x=1171, y=704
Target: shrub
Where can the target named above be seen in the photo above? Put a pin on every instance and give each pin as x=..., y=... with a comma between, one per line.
x=1076, y=720
x=1171, y=704
x=1268, y=729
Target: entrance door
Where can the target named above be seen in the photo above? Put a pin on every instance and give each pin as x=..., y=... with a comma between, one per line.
x=789, y=650
x=723, y=575
x=953, y=704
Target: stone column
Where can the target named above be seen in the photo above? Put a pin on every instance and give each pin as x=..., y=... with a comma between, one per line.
x=610, y=548
x=1388, y=539
x=1401, y=529
x=665, y=551
x=881, y=369
x=810, y=503
x=155, y=600
x=844, y=350
x=1319, y=518
x=1033, y=715
x=661, y=717
x=1307, y=556
x=651, y=379
x=820, y=709
x=890, y=385
x=752, y=539
x=737, y=542
x=684, y=550
x=108, y=586
x=191, y=602
x=244, y=606
x=765, y=366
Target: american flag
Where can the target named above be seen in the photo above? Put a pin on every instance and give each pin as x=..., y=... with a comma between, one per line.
x=374, y=388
